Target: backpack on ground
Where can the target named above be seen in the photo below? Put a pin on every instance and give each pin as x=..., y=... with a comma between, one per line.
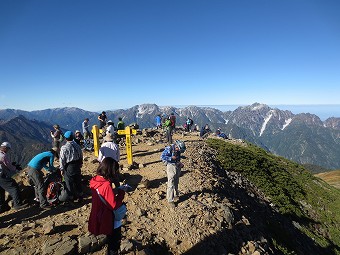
x=53, y=191
x=56, y=191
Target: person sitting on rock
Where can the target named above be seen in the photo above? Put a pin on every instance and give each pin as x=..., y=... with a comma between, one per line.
x=79, y=138
x=221, y=134
x=205, y=131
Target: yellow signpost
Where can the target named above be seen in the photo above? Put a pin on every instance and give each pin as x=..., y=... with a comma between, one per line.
x=128, y=132
x=96, y=146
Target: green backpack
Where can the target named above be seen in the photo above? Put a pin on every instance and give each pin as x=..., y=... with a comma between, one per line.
x=167, y=123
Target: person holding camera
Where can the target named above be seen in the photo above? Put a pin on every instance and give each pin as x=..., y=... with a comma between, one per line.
x=57, y=136
x=7, y=183
x=171, y=156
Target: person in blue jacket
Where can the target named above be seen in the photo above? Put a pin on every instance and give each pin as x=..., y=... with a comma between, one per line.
x=42, y=160
x=171, y=157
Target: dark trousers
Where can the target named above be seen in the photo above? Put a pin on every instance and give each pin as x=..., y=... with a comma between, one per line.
x=169, y=135
x=9, y=185
x=113, y=241
x=39, y=187
x=72, y=178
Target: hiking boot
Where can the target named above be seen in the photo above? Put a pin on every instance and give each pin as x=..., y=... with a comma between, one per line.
x=19, y=207
x=45, y=207
x=69, y=204
x=80, y=200
x=4, y=208
x=172, y=204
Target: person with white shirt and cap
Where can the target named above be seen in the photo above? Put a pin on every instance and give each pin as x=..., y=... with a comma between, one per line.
x=7, y=183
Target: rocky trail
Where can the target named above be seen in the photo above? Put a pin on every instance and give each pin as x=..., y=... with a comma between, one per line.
x=211, y=217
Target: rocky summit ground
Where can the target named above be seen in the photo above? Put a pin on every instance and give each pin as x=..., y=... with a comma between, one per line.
x=209, y=218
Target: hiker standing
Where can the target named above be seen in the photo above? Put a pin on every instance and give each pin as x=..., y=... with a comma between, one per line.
x=102, y=119
x=120, y=124
x=71, y=161
x=171, y=156
x=163, y=119
x=85, y=126
x=57, y=136
x=7, y=170
x=168, y=130
x=173, y=120
x=158, y=121
x=189, y=124
x=109, y=149
x=104, y=201
x=42, y=160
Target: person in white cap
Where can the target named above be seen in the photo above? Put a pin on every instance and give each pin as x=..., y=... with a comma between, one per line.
x=111, y=127
x=109, y=148
x=79, y=138
x=7, y=170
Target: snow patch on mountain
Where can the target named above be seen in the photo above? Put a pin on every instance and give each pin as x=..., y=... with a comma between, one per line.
x=287, y=122
x=145, y=109
x=269, y=115
x=258, y=107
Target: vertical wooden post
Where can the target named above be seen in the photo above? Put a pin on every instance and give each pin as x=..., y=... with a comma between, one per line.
x=96, y=146
x=127, y=132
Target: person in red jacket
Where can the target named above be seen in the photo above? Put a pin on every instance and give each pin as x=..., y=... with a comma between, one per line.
x=105, y=199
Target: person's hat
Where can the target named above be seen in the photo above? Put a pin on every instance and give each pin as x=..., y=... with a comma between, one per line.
x=87, y=119
x=68, y=135
x=55, y=149
x=103, y=112
x=6, y=144
x=77, y=131
x=110, y=122
x=181, y=145
x=56, y=126
x=109, y=137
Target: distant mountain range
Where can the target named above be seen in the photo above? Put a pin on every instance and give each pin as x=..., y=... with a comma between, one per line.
x=303, y=138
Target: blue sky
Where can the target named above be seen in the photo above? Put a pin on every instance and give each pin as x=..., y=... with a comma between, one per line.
x=102, y=55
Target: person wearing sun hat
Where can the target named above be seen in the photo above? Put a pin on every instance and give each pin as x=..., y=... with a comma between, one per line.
x=57, y=136
x=109, y=148
x=79, y=138
x=171, y=157
x=71, y=161
x=7, y=183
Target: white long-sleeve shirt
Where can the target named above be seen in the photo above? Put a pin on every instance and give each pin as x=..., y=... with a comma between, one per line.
x=109, y=149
